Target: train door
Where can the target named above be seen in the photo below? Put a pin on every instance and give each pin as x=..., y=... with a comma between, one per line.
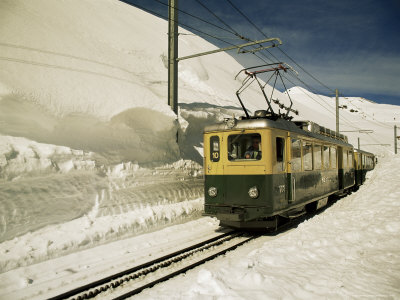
x=281, y=186
x=213, y=162
x=295, y=167
x=340, y=167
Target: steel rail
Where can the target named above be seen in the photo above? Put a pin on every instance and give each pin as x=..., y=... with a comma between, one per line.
x=282, y=228
x=115, y=280
x=182, y=270
x=93, y=289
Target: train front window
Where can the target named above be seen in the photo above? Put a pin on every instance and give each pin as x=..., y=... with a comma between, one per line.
x=244, y=147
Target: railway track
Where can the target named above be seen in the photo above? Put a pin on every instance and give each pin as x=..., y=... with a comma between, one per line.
x=132, y=281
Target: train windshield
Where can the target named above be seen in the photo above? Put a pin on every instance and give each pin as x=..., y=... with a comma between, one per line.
x=244, y=147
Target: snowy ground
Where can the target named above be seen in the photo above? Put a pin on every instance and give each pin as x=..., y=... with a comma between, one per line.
x=88, y=157
x=350, y=251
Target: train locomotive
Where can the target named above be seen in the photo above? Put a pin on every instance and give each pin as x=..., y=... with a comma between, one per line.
x=262, y=169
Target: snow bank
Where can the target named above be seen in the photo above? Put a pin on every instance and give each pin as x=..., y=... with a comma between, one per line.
x=351, y=250
x=87, y=140
x=91, y=230
x=92, y=76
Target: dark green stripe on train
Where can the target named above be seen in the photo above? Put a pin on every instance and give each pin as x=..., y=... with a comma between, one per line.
x=278, y=194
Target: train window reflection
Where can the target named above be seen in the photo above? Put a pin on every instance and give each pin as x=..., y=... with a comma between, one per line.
x=326, y=157
x=296, y=155
x=214, y=148
x=344, y=159
x=351, y=163
x=333, y=158
x=244, y=147
x=280, y=154
x=307, y=156
x=317, y=157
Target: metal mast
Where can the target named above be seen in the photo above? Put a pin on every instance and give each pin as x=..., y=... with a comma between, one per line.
x=173, y=55
x=173, y=58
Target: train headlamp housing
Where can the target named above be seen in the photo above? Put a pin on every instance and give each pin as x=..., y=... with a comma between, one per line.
x=212, y=192
x=253, y=192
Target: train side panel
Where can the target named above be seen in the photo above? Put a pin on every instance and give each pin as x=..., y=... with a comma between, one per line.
x=290, y=171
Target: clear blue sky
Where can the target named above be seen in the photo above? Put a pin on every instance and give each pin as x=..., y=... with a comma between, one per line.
x=351, y=45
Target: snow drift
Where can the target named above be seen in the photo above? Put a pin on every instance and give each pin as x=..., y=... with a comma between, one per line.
x=87, y=140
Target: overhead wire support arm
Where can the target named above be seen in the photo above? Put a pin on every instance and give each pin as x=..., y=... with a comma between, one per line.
x=239, y=47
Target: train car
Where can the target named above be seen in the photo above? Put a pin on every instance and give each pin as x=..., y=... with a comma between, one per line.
x=259, y=170
x=263, y=169
x=363, y=162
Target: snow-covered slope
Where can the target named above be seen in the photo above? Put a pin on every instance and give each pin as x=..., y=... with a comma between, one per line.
x=92, y=76
x=87, y=140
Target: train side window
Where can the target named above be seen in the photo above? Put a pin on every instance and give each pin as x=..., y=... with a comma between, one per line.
x=214, y=148
x=317, y=157
x=344, y=159
x=307, y=156
x=351, y=162
x=296, y=155
x=333, y=158
x=326, y=157
x=280, y=154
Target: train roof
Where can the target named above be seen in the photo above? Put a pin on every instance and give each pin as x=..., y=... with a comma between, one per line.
x=363, y=152
x=306, y=128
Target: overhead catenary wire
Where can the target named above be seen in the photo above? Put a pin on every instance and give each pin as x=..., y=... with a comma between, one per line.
x=245, y=38
x=219, y=19
x=231, y=31
x=263, y=54
x=315, y=91
x=321, y=83
x=183, y=24
x=235, y=32
x=327, y=109
x=198, y=18
x=281, y=50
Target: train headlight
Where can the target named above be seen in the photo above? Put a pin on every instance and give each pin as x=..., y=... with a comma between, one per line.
x=253, y=192
x=212, y=191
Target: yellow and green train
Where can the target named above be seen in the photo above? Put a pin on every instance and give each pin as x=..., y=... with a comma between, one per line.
x=262, y=170
x=363, y=162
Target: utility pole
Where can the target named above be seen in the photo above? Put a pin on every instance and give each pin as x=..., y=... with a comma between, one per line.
x=173, y=55
x=173, y=58
x=337, y=111
x=395, y=139
x=358, y=143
